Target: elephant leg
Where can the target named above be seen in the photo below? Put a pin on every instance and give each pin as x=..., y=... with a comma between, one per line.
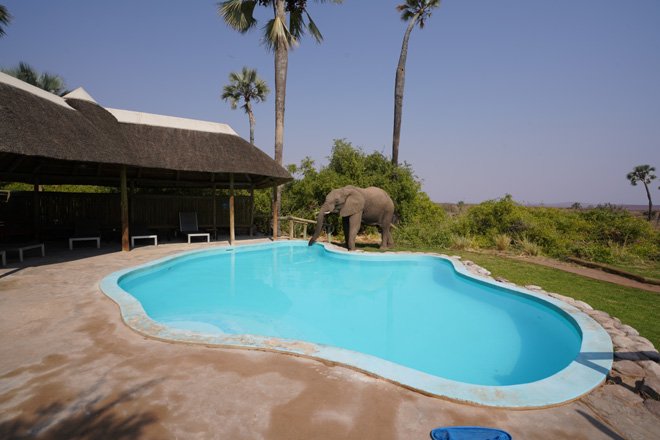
x=347, y=227
x=354, y=226
x=386, y=234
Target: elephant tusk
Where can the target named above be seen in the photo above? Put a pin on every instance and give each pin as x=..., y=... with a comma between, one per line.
x=326, y=213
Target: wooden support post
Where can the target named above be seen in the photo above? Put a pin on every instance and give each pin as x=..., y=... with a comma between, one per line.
x=251, y=209
x=125, y=245
x=37, y=209
x=215, y=220
x=290, y=229
x=232, y=233
x=131, y=202
x=304, y=231
x=274, y=213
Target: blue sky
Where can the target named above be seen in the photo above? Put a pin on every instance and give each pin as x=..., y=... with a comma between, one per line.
x=548, y=101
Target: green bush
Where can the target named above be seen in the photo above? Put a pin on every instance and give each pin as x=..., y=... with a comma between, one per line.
x=605, y=234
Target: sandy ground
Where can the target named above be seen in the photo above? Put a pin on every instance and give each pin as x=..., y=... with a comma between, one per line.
x=593, y=273
x=70, y=368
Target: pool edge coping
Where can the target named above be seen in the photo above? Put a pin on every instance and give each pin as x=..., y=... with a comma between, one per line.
x=586, y=372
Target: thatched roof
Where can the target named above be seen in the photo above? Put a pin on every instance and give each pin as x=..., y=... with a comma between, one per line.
x=77, y=141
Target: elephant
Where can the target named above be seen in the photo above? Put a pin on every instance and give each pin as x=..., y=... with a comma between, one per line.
x=371, y=206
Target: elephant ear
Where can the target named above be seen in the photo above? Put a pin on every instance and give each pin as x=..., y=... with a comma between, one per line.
x=354, y=203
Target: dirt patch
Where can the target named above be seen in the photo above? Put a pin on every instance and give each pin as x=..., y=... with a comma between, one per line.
x=591, y=273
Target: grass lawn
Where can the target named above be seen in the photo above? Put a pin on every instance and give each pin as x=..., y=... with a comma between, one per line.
x=637, y=308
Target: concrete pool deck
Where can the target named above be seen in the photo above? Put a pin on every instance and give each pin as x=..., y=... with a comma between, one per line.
x=70, y=368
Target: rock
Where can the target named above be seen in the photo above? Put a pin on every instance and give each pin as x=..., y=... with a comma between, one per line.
x=615, y=408
x=628, y=368
x=642, y=340
x=532, y=287
x=623, y=394
x=623, y=342
x=651, y=387
x=501, y=280
x=652, y=354
x=629, y=382
x=468, y=263
x=617, y=321
x=605, y=314
x=629, y=330
x=455, y=257
x=653, y=406
x=625, y=354
x=583, y=305
x=566, y=299
x=652, y=369
x=613, y=331
x=602, y=320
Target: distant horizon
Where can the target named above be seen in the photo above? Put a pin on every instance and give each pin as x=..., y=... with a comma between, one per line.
x=629, y=206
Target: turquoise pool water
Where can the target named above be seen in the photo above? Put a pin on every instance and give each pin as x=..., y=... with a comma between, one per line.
x=413, y=311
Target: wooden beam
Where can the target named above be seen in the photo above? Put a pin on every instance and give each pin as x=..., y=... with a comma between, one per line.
x=125, y=245
x=16, y=162
x=36, y=169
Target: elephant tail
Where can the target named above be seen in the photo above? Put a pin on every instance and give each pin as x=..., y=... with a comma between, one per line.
x=395, y=217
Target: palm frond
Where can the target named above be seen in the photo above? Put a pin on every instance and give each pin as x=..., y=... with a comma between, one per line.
x=313, y=30
x=276, y=33
x=5, y=19
x=296, y=25
x=238, y=14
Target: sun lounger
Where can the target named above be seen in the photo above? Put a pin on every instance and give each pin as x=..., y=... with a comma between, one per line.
x=188, y=226
x=20, y=248
x=86, y=230
x=140, y=231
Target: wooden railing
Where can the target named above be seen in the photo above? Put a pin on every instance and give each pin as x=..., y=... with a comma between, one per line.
x=303, y=221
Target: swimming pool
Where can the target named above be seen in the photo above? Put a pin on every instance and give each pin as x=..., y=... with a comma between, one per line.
x=422, y=321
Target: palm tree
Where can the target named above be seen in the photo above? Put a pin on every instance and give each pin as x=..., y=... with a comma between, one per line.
x=46, y=81
x=644, y=174
x=5, y=19
x=415, y=11
x=278, y=38
x=248, y=86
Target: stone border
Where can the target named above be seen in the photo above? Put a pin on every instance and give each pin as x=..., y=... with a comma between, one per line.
x=585, y=373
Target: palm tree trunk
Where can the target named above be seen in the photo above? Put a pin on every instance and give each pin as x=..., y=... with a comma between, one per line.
x=252, y=123
x=281, y=66
x=648, y=194
x=399, y=85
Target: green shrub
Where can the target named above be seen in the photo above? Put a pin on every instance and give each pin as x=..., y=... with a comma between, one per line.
x=528, y=247
x=502, y=242
x=460, y=242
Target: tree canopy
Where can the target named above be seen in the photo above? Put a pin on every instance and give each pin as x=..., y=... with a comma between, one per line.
x=249, y=87
x=46, y=81
x=5, y=19
x=644, y=174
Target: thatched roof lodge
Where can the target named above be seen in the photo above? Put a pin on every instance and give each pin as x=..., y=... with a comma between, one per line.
x=45, y=139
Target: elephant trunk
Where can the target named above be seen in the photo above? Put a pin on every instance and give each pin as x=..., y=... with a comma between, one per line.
x=325, y=209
